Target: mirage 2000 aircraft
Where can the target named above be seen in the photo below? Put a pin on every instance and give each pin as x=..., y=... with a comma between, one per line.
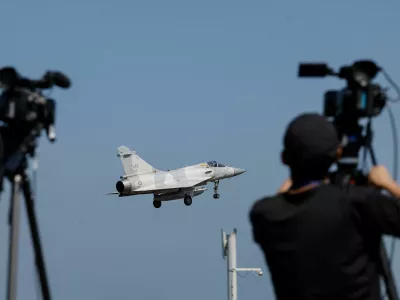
x=184, y=183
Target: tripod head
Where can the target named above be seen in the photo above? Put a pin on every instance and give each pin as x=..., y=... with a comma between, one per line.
x=24, y=112
x=346, y=107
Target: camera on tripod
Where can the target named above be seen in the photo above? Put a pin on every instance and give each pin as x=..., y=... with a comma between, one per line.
x=24, y=112
x=358, y=100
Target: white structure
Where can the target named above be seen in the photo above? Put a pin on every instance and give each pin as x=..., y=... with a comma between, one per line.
x=229, y=250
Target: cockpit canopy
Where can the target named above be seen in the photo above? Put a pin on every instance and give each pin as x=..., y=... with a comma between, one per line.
x=215, y=164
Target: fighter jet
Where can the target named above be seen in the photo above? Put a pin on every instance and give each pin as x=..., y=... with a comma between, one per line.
x=183, y=183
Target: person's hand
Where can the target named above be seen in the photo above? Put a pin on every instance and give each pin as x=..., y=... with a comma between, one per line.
x=380, y=177
x=285, y=186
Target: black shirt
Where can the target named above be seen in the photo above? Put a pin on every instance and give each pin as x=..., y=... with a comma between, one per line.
x=324, y=243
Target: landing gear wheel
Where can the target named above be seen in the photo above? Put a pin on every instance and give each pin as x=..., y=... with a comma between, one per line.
x=157, y=204
x=216, y=195
x=187, y=200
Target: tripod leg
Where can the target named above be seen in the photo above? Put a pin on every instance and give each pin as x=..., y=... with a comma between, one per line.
x=387, y=274
x=40, y=264
x=14, y=235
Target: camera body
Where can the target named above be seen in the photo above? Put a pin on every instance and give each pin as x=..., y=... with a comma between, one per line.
x=357, y=104
x=22, y=107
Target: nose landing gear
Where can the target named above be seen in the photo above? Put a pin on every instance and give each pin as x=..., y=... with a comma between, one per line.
x=216, y=195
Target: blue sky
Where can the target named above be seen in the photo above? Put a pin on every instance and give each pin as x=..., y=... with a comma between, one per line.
x=181, y=82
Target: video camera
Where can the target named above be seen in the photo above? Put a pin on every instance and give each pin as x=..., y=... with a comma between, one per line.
x=25, y=111
x=358, y=100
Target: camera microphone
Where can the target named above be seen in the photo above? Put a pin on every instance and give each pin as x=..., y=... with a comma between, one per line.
x=57, y=78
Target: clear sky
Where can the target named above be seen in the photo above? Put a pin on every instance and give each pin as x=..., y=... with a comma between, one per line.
x=181, y=82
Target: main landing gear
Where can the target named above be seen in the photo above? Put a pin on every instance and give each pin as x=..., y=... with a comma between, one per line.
x=187, y=200
x=216, y=195
x=157, y=204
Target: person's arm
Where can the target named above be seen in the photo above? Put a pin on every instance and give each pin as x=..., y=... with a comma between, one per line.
x=380, y=212
x=380, y=177
x=393, y=188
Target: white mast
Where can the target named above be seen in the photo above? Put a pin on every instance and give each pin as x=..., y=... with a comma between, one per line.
x=229, y=250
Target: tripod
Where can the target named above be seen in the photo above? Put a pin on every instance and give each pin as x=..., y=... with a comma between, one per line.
x=20, y=181
x=343, y=176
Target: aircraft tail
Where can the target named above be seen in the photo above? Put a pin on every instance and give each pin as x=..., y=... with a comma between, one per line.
x=132, y=163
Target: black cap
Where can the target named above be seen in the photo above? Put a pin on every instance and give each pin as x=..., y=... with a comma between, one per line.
x=310, y=136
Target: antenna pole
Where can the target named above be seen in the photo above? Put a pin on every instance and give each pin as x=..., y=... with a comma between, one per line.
x=229, y=250
x=232, y=266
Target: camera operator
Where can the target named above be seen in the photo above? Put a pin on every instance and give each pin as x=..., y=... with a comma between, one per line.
x=321, y=241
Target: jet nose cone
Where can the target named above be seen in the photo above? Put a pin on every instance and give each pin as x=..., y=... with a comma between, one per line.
x=237, y=171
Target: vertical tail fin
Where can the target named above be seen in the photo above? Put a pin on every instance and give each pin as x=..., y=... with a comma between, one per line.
x=132, y=163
